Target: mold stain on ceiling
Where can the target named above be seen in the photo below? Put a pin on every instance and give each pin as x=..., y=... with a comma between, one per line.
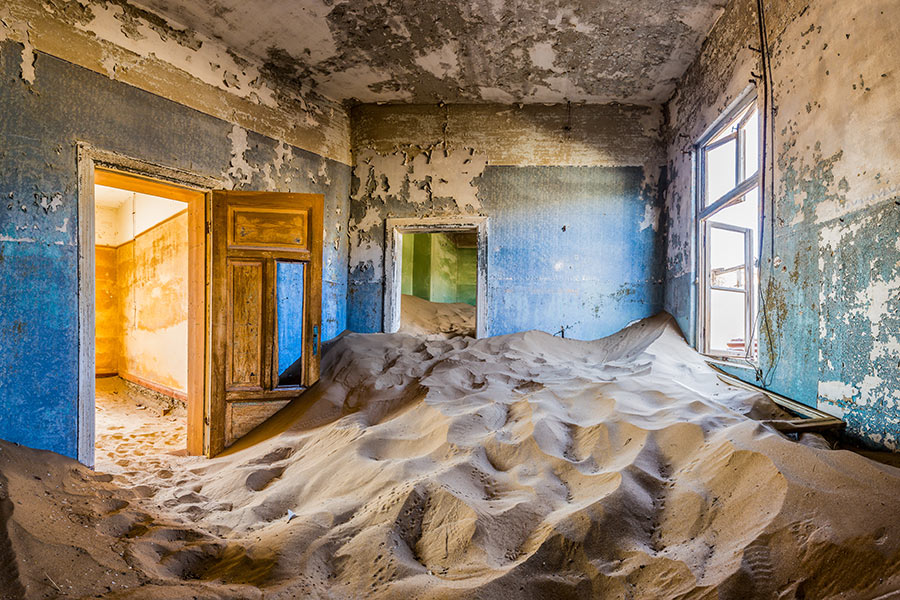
x=463, y=51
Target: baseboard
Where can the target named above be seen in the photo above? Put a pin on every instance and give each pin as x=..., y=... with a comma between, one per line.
x=156, y=387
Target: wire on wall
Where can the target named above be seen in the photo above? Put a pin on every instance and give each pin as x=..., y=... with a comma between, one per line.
x=767, y=161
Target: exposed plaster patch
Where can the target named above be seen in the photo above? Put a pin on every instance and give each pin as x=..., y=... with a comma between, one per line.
x=240, y=170
x=651, y=218
x=543, y=55
x=433, y=180
x=875, y=301
x=202, y=57
x=50, y=204
x=13, y=29
x=837, y=391
x=831, y=408
x=441, y=62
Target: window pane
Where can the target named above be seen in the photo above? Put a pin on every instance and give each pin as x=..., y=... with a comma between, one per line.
x=726, y=249
x=289, y=321
x=733, y=277
x=726, y=322
x=721, y=163
x=751, y=148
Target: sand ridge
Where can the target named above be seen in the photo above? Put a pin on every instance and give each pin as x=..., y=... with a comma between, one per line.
x=519, y=466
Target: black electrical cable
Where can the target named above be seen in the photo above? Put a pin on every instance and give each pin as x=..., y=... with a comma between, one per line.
x=768, y=137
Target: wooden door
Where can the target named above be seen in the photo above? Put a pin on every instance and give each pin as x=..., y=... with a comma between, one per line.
x=265, y=307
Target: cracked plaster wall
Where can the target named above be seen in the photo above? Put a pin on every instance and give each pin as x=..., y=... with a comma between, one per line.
x=571, y=194
x=40, y=123
x=832, y=292
x=135, y=46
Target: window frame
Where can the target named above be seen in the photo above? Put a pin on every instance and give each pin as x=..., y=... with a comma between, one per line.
x=744, y=108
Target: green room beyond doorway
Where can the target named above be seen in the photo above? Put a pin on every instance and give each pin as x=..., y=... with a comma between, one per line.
x=440, y=267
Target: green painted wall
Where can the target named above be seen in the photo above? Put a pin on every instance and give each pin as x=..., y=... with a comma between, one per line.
x=466, y=269
x=406, y=281
x=421, y=266
x=443, y=268
x=435, y=269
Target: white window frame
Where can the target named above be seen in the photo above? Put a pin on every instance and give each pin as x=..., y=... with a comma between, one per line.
x=744, y=183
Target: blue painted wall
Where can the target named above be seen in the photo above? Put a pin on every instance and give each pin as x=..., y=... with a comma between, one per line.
x=40, y=125
x=566, y=250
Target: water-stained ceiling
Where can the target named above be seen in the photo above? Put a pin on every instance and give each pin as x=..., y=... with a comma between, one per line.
x=509, y=51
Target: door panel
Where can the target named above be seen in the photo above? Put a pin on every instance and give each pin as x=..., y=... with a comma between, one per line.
x=262, y=228
x=245, y=325
x=265, y=307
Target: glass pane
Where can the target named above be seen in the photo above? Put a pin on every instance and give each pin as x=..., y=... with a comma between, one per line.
x=289, y=321
x=726, y=322
x=721, y=163
x=743, y=214
x=726, y=250
x=733, y=277
x=751, y=147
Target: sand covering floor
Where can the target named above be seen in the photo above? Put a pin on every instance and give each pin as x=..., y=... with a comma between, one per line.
x=519, y=466
x=436, y=319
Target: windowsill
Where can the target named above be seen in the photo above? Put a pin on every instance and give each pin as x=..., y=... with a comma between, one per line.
x=730, y=362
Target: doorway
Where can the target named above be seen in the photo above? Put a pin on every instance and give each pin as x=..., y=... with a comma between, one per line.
x=438, y=283
x=141, y=318
x=436, y=276
x=144, y=269
x=253, y=290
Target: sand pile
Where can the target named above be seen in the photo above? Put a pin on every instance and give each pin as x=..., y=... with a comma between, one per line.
x=421, y=317
x=520, y=466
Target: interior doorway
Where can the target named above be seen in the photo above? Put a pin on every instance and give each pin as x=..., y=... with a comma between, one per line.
x=253, y=293
x=438, y=283
x=141, y=320
x=436, y=276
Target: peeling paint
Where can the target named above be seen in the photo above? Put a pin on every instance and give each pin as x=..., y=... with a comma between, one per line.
x=39, y=217
x=573, y=247
x=451, y=52
x=159, y=55
x=832, y=292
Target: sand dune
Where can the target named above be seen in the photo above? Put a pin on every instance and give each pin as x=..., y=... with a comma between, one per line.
x=442, y=319
x=519, y=466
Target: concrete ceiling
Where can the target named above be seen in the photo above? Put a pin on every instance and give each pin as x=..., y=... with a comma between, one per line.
x=425, y=51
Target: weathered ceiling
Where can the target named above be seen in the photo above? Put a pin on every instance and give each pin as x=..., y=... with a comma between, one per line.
x=505, y=51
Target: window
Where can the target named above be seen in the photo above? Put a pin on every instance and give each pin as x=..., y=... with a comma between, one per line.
x=728, y=221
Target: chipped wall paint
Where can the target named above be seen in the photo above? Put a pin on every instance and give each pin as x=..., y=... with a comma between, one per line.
x=568, y=252
x=138, y=47
x=40, y=124
x=466, y=51
x=833, y=289
x=609, y=135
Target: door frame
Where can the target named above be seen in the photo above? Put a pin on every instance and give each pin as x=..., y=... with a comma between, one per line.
x=88, y=158
x=393, y=248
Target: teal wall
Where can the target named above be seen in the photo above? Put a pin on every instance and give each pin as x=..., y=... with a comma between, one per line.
x=434, y=269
